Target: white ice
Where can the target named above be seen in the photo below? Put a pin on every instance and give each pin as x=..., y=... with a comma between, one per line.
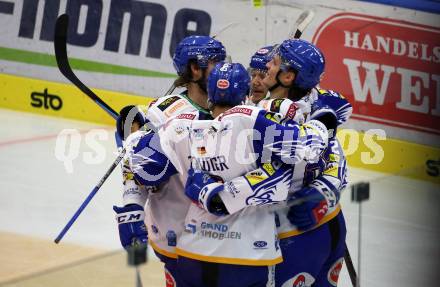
x=400, y=227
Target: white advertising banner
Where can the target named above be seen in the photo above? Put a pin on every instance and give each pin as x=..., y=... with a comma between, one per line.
x=384, y=59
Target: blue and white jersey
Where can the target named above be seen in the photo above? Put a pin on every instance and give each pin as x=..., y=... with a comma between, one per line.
x=334, y=101
x=235, y=143
x=328, y=174
x=167, y=205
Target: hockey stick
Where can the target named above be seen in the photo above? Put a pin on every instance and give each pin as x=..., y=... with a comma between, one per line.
x=64, y=67
x=90, y=196
x=60, y=43
x=350, y=267
x=301, y=24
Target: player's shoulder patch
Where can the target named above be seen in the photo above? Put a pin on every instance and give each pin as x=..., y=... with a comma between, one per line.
x=176, y=119
x=274, y=117
x=246, y=110
x=165, y=103
x=187, y=116
x=275, y=106
x=330, y=93
x=291, y=111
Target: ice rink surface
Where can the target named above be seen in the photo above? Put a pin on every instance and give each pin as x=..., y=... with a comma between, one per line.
x=400, y=222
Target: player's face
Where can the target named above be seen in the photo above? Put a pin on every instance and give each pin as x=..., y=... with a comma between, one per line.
x=273, y=66
x=259, y=90
x=198, y=73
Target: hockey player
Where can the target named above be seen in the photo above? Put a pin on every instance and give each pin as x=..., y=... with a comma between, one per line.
x=259, y=91
x=293, y=73
x=319, y=215
x=257, y=71
x=231, y=250
x=193, y=59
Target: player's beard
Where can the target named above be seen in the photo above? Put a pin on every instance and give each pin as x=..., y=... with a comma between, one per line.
x=202, y=82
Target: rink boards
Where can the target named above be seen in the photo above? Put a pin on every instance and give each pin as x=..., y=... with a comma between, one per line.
x=371, y=149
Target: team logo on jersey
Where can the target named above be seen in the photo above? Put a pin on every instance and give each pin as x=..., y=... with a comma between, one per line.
x=321, y=210
x=218, y=231
x=174, y=108
x=276, y=118
x=169, y=279
x=333, y=273
x=191, y=228
x=179, y=129
x=186, y=116
x=336, y=94
x=167, y=102
x=302, y=279
x=276, y=104
x=255, y=177
x=291, y=112
x=239, y=110
x=263, y=51
x=260, y=244
x=223, y=84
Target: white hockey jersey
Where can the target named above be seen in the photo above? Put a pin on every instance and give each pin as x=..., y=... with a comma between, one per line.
x=233, y=144
x=167, y=204
x=328, y=175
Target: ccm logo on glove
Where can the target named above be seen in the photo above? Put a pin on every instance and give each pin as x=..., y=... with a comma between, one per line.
x=130, y=217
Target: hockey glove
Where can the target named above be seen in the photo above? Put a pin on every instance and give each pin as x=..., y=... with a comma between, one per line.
x=309, y=212
x=203, y=188
x=132, y=229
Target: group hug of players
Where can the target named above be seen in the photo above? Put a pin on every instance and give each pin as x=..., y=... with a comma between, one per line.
x=238, y=180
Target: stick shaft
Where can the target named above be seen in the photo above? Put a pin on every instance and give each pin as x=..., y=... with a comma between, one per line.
x=350, y=266
x=89, y=197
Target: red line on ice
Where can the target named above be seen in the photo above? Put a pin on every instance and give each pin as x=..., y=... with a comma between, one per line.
x=44, y=137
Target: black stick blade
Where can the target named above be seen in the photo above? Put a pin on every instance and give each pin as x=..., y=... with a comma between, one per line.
x=60, y=44
x=61, y=40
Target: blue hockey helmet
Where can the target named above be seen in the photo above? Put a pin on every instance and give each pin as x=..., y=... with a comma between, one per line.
x=200, y=48
x=261, y=58
x=228, y=84
x=305, y=59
